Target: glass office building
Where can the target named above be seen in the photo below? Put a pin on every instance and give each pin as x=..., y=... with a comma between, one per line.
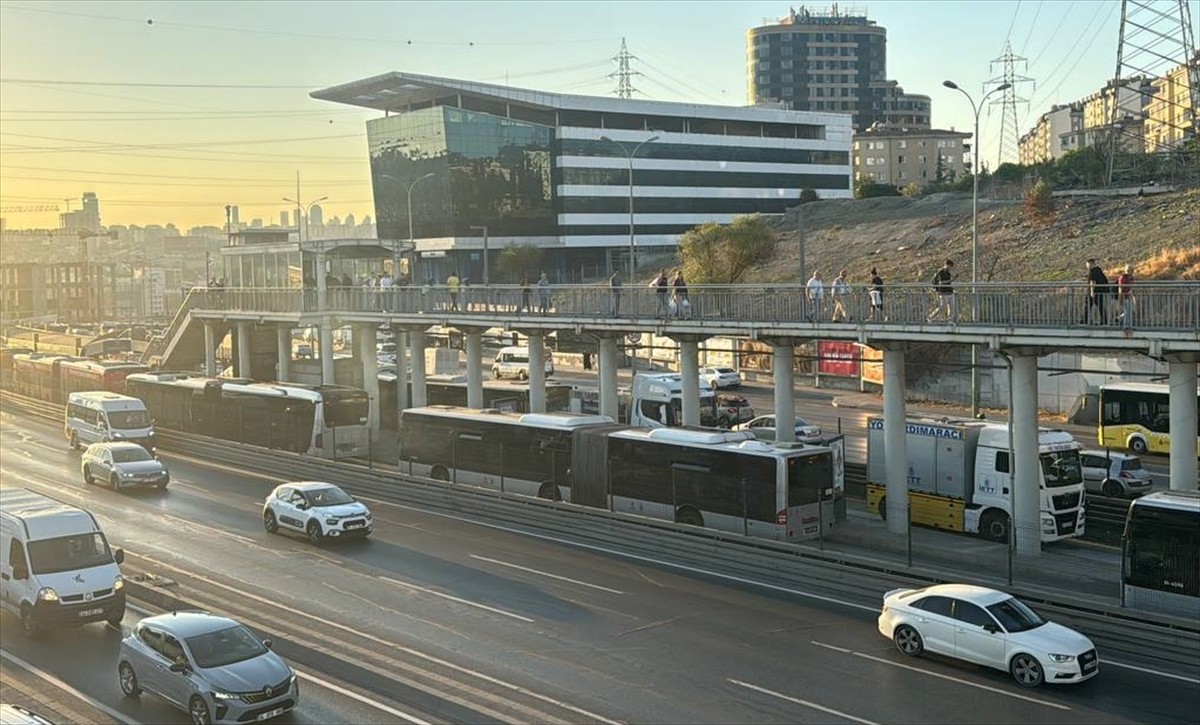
x=553, y=170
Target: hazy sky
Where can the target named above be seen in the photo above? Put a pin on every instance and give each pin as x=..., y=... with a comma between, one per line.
x=125, y=98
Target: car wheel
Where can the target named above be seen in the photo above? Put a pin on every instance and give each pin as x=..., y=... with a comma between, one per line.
x=1026, y=670
x=496, y=374
x=994, y=526
x=198, y=709
x=315, y=536
x=439, y=473
x=129, y=680
x=549, y=491
x=1138, y=446
x=523, y=376
x=74, y=441
x=689, y=516
x=114, y=481
x=714, y=385
x=1111, y=488
x=269, y=522
x=87, y=475
x=908, y=640
x=28, y=625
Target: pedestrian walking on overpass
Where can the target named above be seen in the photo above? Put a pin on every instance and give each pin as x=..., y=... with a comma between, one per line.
x=815, y=294
x=875, y=296
x=615, y=282
x=659, y=284
x=543, y=294
x=526, y=295
x=1095, y=311
x=452, y=283
x=943, y=288
x=840, y=291
x=1125, y=296
x=679, y=292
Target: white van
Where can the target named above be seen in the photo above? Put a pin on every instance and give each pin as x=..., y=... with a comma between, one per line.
x=99, y=416
x=56, y=568
x=513, y=362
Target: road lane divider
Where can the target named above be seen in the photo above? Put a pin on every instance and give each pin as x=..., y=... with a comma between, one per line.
x=546, y=574
x=452, y=598
x=804, y=703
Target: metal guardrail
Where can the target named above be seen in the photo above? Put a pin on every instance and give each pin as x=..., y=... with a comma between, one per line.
x=1171, y=641
x=1106, y=518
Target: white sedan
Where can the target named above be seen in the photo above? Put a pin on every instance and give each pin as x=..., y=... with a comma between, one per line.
x=763, y=428
x=989, y=628
x=317, y=510
x=720, y=378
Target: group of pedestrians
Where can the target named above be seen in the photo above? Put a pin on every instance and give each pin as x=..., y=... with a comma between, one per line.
x=839, y=293
x=543, y=291
x=1096, y=310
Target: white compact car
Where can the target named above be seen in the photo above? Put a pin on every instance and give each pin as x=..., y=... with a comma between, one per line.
x=763, y=428
x=989, y=628
x=720, y=378
x=318, y=510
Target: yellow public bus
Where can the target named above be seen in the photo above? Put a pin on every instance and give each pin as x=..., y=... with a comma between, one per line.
x=1137, y=416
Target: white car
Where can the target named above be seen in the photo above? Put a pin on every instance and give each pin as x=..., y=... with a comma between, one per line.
x=720, y=378
x=763, y=428
x=317, y=510
x=989, y=628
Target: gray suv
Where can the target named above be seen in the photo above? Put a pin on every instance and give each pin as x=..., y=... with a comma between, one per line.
x=215, y=669
x=1114, y=474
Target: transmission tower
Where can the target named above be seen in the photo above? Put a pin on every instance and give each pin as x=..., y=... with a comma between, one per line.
x=1156, y=38
x=623, y=74
x=1010, y=133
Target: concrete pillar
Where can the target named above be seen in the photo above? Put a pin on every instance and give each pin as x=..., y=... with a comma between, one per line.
x=210, y=350
x=1026, y=486
x=689, y=373
x=322, y=290
x=416, y=346
x=283, y=351
x=401, y=370
x=245, y=347
x=537, y=373
x=1182, y=402
x=474, y=350
x=783, y=369
x=608, y=378
x=895, y=439
x=325, y=334
x=364, y=336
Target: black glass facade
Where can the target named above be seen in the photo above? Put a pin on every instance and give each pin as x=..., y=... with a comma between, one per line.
x=703, y=152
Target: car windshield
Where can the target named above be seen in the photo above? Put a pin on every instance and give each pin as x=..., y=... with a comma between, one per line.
x=68, y=553
x=225, y=647
x=1015, y=616
x=328, y=497
x=726, y=371
x=127, y=455
x=127, y=419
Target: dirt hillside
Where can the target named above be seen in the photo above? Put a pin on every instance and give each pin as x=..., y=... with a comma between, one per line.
x=907, y=239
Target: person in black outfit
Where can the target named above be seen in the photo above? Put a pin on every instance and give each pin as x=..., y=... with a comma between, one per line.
x=1097, y=291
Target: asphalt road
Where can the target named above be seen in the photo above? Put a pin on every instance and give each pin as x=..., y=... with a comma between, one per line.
x=437, y=619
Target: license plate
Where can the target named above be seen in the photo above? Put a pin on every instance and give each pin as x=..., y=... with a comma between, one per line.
x=270, y=714
x=90, y=612
x=355, y=526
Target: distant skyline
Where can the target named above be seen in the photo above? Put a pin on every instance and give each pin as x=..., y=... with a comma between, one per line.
x=168, y=111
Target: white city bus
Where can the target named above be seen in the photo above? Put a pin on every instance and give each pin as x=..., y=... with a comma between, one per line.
x=719, y=479
x=1160, y=567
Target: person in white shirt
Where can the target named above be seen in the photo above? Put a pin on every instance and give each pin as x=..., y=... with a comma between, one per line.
x=840, y=289
x=815, y=291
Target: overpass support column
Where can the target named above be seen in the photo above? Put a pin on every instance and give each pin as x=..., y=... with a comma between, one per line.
x=401, y=370
x=689, y=373
x=210, y=350
x=895, y=439
x=783, y=369
x=416, y=346
x=283, y=345
x=608, y=378
x=474, y=349
x=1182, y=401
x=325, y=334
x=245, y=347
x=1026, y=485
x=322, y=288
x=537, y=372
x=364, y=337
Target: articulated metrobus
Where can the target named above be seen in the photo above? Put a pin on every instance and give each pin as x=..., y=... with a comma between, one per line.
x=1160, y=563
x=1137, y=416
x=720, y=479
x=317, y=420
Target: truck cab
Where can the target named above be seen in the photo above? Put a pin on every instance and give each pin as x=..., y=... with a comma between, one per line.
x=657, y=402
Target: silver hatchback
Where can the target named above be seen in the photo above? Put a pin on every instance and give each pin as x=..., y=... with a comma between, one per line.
x=1114, y=474
x=215, y=669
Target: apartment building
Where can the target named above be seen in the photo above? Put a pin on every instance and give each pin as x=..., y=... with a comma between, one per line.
x=901, y=156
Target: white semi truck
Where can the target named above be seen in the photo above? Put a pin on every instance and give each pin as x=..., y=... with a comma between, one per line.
x=658, y=401
x=960, y=477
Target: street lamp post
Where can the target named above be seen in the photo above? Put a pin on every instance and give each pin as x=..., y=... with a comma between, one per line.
x=408, y=188
x=630, y=155
x=975, y=229
x=307, y=209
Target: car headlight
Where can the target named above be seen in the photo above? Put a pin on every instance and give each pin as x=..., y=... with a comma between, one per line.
x=1063, y=658
x=47, y=594
x=332, y=520
x=126, y=474
x=219, y=695
x=118, y=435
x=367, y=514
x=118, y=583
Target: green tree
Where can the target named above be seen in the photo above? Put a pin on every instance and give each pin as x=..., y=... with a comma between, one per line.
x=722, y=254
x=912, y=191
x=519, y=259
x=807, y=195
x=1039, y=202
x=867, y=189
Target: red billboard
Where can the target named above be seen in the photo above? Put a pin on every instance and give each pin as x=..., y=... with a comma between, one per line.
x=835, y=357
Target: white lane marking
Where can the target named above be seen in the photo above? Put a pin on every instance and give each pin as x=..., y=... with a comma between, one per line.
x=1149, y=671
x=832, y=647
x=961, y=681
x=387, y=643
x=221, y=532
x=453, y=598
x=361, y=698
x=46, y=676
x=805, y=703
x=546, y=574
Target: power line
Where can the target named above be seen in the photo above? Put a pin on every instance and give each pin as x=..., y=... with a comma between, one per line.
x=130, y=84
x=47, y=170
x=253, y=184
x=1011, y=23
x=178, y=146
x=1037, y=11
x=1053, y=35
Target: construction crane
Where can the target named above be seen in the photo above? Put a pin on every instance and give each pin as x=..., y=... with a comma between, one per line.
x=18, y=209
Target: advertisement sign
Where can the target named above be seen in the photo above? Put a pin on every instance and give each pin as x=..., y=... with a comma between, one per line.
x=872, y=364
x=837, y=357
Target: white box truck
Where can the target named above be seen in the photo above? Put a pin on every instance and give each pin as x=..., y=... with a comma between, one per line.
x=56, y=567
x=960, y=477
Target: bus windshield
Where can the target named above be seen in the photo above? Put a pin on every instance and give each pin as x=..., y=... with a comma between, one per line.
x=128, y=419
x=1162, y=550
x=1061, y=468
x=349, y=407
x=808, y=476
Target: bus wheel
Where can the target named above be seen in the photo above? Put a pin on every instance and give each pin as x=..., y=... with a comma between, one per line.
x=689, y=516
x=549, y=491
x=440, y=473
x=1138, y=446
x=994, y=526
